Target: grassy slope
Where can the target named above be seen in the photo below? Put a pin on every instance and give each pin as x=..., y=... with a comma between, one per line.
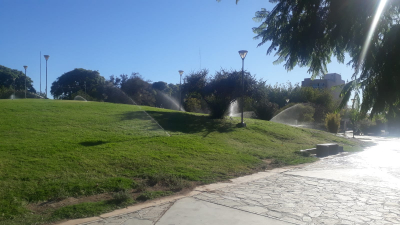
x=57, y=149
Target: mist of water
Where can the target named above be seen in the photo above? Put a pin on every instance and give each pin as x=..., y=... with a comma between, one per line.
x=171, y=102
x=80, y=98
x=288, y=116
x=234, y=109
x=125, y=96
x=12, y=97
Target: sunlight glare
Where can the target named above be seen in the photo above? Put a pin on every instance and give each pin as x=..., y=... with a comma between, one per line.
x=371, y=31
x=385, y=154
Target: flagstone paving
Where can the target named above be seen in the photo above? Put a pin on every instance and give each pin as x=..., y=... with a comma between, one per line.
x=303, y=200
x=361, y=188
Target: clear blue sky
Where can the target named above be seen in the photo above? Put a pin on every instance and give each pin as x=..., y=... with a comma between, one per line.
x=154, y=38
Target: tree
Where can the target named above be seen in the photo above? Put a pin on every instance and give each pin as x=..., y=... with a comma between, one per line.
x=218, y=91
x=160, y=86
x=309, y=32
x=138, y=89
x=76, y=80
x=7, y=81
x=355, y=115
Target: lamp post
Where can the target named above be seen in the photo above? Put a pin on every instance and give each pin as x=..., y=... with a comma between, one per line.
x=180, y=89
x=46, y=57
x=25, y=79
x=242, y=54
x=14, y=89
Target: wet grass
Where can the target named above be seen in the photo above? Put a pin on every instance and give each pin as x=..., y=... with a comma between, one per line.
x=53, y=150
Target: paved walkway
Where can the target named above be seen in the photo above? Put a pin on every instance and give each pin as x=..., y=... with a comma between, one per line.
x=361, y=188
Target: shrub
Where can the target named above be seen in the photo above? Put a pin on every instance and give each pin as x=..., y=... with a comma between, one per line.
x=306, y=113
x=193, y=105
x=332, y=122
x=284, y=108
x=264, y=109
x=218, y=106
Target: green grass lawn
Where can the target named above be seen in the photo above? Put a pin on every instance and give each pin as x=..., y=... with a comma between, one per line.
x=52, y=150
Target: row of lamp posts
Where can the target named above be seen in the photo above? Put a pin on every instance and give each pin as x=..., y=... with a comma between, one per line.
x=25, y=67
x=242, y=54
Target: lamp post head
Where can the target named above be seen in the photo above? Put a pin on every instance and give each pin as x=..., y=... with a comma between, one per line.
x=243, y=53
x=46, y=57
x=25, y=67
x=180, y=72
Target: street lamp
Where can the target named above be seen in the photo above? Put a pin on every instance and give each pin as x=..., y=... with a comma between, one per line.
x=25, y=79
x=14, y=88
x=180, y=89
x=46, y=57
x=242, y=54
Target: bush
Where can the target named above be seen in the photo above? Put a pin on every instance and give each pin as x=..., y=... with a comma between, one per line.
x=332, y=122
x=193, y=105
x=306, y=113
x=218, y=106
x=264, y=109
x=284, y=108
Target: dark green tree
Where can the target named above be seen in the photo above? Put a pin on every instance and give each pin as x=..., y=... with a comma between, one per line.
x=67, y=85
x=160, y=86
x=218, y=91
x=10, y=79
x=310, y=32
x=138, y=89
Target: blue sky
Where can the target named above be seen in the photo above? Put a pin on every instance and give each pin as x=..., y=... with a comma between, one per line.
x=154, y=38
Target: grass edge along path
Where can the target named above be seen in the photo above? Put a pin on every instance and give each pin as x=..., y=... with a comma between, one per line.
x=52, y=151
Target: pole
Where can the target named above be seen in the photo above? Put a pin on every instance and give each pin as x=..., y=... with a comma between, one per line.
x=85, y=87
x=46, y=78
x=25, y=82
x=40, y=84
x=180, y=92
x=242, y=89
x=14, y=90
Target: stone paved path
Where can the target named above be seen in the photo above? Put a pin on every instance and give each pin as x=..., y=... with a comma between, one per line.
x=303, y=200
x=361, y=188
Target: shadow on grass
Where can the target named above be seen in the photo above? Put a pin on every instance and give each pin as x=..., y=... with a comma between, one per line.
x=183, y=122
x=92, y=143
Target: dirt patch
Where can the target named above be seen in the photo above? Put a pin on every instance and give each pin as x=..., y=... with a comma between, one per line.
x=272, y=164
x=47, y=207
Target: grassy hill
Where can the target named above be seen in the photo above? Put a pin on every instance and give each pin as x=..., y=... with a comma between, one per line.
x=52, y=150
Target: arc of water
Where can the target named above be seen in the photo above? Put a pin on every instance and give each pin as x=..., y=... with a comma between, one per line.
x=151, y=118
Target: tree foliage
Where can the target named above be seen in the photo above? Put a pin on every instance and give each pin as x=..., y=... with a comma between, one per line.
x=218, y=91
x=76, y=80
x=310, y=32
x=138, y=89
x=332, y=122
x=10, y=79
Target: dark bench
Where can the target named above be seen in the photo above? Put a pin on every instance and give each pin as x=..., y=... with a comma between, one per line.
x=327, y=149
x=323, y=150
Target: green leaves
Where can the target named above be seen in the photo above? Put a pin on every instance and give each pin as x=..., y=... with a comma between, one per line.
x=309, y=32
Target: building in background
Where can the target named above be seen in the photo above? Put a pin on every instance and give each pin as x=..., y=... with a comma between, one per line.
x=329, y=81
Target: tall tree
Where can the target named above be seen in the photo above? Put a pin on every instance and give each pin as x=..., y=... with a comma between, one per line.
x=138, y=89
x=310, y=32
x=10, y=79
x=76, y=80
